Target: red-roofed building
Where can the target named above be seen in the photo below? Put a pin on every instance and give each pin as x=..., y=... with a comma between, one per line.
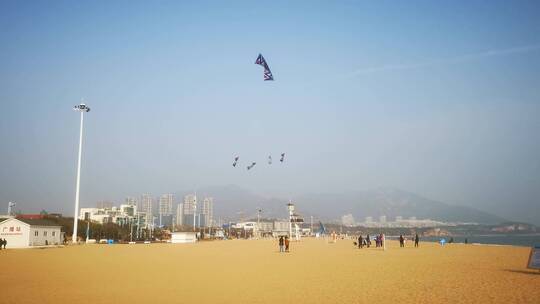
x=31, y=216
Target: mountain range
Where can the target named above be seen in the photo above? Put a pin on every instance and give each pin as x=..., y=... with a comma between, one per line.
x=232, y=202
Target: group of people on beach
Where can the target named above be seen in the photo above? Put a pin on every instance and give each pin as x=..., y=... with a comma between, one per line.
x=403, y=239
x=3, y=243
x=366, y=242
x=379, y=241
x=284, y=244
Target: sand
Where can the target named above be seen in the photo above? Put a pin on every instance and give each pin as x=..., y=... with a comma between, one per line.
x=253, y=271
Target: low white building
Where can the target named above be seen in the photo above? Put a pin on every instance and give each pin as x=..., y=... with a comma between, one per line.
x=123, y=215
x=95, y=214
x=246, y=225
x=21, y=233
x=183, y=237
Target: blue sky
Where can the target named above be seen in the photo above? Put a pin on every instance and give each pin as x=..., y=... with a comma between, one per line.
x=442, y=99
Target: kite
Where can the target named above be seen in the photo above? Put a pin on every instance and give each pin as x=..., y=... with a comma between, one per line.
x=235, y=161
x=282, y=157
x=267, y=73
x=251, y=166
x=269, y=159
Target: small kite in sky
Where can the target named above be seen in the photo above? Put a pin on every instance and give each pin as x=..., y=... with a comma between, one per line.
x=235, y=161
x=251, y=166
x=269, y=159
x=282, y=157
x=267, y=73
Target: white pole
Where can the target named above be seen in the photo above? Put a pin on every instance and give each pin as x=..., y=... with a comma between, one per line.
x=87, y=231
x=290, y=219
x=258, y=223
x=290, y=226
x=76, y=215
x=195, y=213
x=311, y=230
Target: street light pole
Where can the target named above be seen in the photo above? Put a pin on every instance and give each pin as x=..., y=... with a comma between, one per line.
x=81, y=108
x=258, y=223
x=195, y=213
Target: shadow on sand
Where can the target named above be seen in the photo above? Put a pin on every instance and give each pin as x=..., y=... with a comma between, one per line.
x=529, y=272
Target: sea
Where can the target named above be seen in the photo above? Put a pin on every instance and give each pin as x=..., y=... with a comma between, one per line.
x=527, y=240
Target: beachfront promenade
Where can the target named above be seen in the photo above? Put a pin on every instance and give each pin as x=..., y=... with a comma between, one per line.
x=253, y=271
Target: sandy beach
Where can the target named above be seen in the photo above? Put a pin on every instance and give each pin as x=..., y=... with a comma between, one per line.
x=253, y=271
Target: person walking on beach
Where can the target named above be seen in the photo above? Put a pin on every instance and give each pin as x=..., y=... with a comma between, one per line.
x=281, y=244
x=401, y=241
x=4, y=242
x=286, y=244
x=1, y=243
x=416, y=240
x=360, y=240
x=368, y=241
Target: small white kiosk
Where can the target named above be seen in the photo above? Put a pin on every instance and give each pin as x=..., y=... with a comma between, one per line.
x=183, y=237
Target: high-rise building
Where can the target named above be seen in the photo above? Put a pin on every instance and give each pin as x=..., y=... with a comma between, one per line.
x=382, y=219
x=180, y=214
x=190, y=210
x=399, y=218
x=130, y=201
x=347, y=220
x=165, y=209
x=165, y=204
x=146, y=204
x=129, y=209
x=104, y=204
x=369, y=219
x=207, y=212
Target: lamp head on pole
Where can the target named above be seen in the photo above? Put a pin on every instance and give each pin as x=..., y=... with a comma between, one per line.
x=290, y=207
x=82, y=108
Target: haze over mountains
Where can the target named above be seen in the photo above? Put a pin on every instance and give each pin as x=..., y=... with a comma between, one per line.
x=234, y=202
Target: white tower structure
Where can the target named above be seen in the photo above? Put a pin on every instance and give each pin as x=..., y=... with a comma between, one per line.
x=290, y=207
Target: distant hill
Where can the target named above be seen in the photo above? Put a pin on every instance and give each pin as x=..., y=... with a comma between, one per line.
x=233, y=202
x=392, y=202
